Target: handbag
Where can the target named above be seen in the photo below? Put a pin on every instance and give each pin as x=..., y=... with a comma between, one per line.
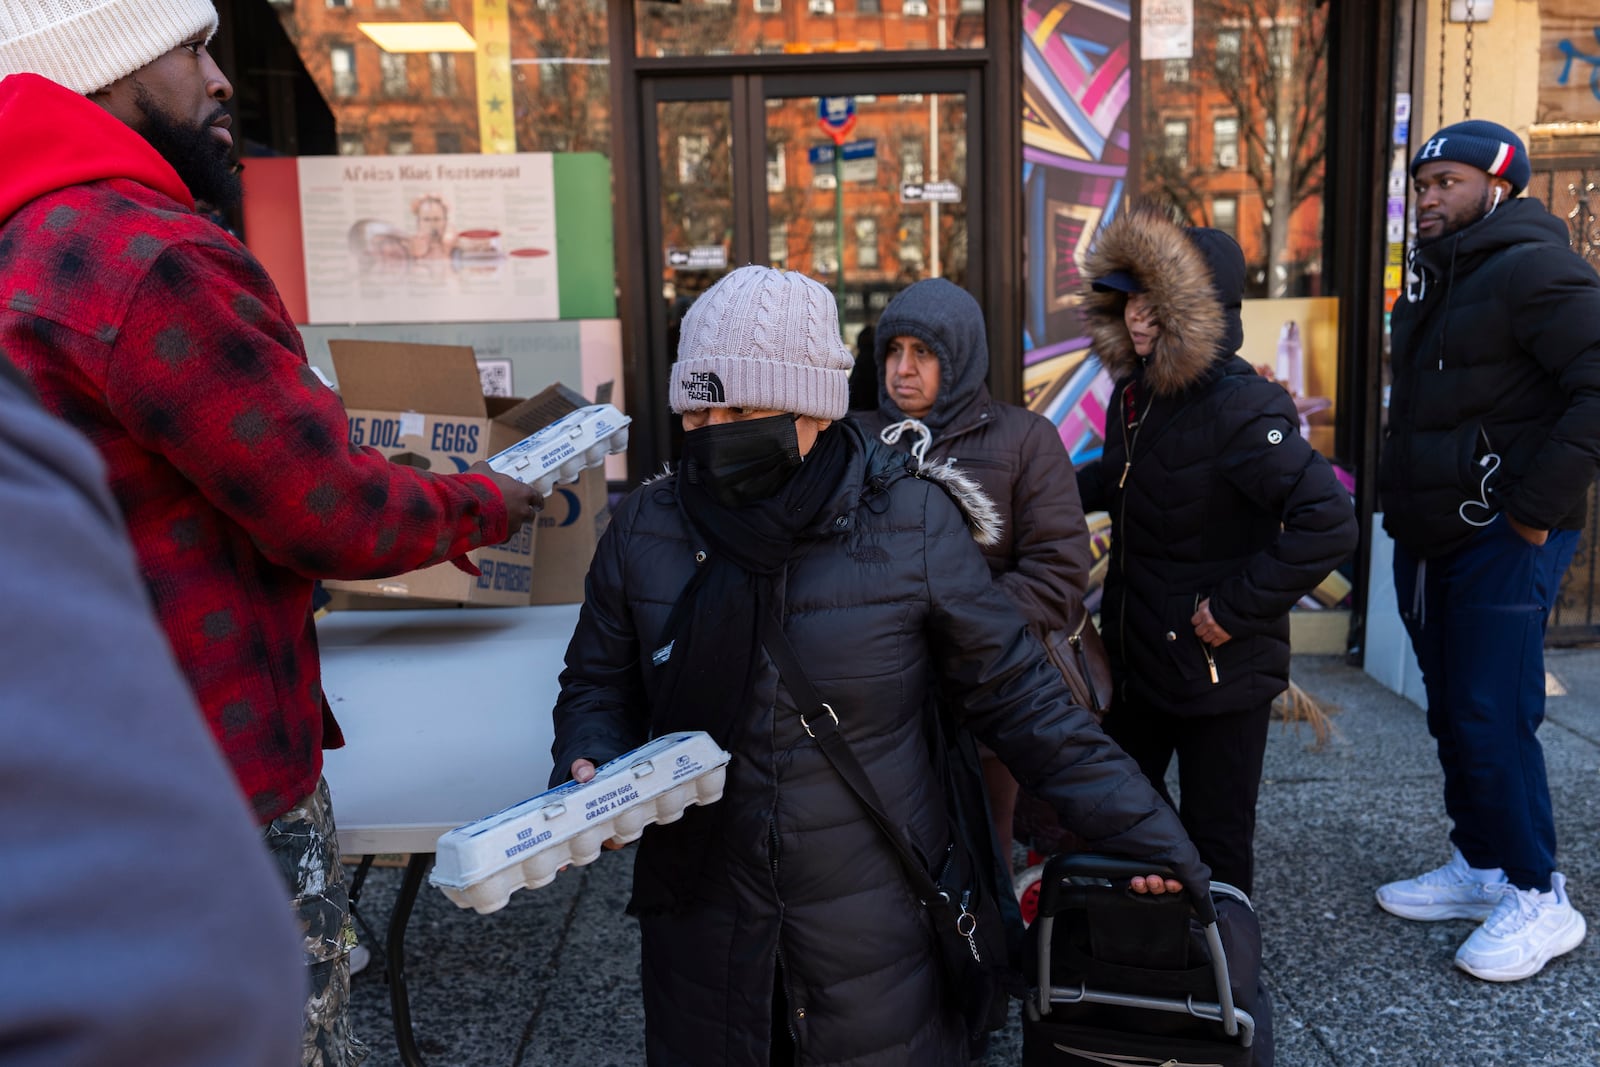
x=1080, y=655
x=970, y=930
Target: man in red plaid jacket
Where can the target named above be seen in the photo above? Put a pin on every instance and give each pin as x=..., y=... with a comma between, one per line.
x=161, y=338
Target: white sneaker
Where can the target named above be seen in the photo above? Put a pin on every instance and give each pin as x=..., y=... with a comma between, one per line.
x=1454, y=891
x=1526, y=931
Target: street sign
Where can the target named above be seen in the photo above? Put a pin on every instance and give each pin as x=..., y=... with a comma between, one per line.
x=700, y=257
x=837, y=116
x=858, y=160
x=821, y=155
x=930, y=193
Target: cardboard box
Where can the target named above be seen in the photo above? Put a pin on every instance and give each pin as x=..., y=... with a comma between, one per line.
x=574, y=514
x=568, y=529
x=423, y=405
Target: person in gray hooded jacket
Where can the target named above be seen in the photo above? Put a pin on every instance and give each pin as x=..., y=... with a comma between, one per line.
x=933, y=401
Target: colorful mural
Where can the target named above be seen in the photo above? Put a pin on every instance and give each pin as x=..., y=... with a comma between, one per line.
x=1077, y=83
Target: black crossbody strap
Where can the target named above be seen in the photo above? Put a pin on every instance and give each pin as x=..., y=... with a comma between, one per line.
x=821, y=723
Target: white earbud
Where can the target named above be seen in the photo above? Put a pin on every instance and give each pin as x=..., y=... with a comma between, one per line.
x=1496, y=199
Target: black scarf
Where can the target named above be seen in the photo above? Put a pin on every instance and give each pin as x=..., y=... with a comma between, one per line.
x=709, y=651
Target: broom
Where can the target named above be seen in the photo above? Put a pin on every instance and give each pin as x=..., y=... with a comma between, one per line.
x=1296, y=706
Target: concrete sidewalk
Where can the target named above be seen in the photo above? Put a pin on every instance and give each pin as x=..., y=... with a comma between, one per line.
x=553, y=978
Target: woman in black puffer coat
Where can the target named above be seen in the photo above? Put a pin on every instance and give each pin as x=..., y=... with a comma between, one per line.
x=778, y=925
x=1222, y=518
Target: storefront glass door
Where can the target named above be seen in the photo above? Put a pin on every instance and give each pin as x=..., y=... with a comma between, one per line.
x=863, y=189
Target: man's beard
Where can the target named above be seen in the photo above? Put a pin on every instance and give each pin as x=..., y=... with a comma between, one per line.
x=1455, y=225
x=200, y=159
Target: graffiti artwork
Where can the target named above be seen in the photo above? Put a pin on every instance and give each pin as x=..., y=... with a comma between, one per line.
x=1570, y=50
x=1076, y=90
x=1569, y=62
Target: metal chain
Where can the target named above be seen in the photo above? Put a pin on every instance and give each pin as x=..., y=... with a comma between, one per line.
x=1466, y=65
x=1444, y=23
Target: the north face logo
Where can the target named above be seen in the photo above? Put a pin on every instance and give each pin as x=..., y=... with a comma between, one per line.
x=705, y=386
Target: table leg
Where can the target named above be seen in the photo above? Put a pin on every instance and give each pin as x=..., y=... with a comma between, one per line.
x=399, y=1000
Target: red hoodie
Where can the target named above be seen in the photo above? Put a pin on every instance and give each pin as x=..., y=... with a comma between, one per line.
x=162, y=339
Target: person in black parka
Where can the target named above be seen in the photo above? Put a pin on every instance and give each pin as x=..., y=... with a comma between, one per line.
x=778, y=925
x=1492, y=445
x=1222, y=518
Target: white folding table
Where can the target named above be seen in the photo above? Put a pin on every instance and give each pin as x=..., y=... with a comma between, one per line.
x=446, y=718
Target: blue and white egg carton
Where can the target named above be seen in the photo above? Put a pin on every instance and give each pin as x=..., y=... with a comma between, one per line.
x=564, y=449
x=481, y=864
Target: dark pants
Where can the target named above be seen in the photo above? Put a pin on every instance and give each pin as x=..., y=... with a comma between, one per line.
x=1477, y=618
x=1219, y=776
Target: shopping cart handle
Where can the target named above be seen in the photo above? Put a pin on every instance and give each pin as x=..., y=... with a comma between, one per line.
x=1071, y=876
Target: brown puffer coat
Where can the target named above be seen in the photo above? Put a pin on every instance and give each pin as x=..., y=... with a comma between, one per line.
x=1042, y=556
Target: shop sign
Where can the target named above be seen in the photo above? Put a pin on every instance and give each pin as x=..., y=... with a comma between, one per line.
x=700, y=257
x=1166, y=29
x=930, y=193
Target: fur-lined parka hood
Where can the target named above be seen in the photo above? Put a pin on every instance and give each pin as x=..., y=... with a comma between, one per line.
x=1195, y=277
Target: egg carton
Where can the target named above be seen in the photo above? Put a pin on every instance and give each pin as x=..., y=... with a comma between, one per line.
x=480, y=865
x=564, y=449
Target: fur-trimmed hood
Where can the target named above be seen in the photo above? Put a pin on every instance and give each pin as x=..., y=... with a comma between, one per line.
x=982, y=517
x=1195, y=277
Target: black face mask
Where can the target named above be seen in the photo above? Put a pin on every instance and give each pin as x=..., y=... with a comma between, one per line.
x=743, y=463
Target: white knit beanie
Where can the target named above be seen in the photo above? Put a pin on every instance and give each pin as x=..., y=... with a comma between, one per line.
x=86, y=45
x=766, y=339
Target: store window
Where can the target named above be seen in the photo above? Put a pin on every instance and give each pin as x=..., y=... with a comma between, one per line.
x=342, y=59
x=776, y=170
x=553, y=55
x=911, y=160
x=395, y=73
x=1175, y=142
x=778, y=245
x=694, y=149
x=1228, y=45
x=824, y=247
x=1261, y=95
x=1243, y=148
x=867, y=243
x=1225, y=141
x=913, y=243
x=442, y=74
x=1225, y=214
x=752, y=27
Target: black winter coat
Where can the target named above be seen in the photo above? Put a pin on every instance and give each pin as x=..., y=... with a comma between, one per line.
x=886, y=594
x=1496, y=350
x=1214, y=494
